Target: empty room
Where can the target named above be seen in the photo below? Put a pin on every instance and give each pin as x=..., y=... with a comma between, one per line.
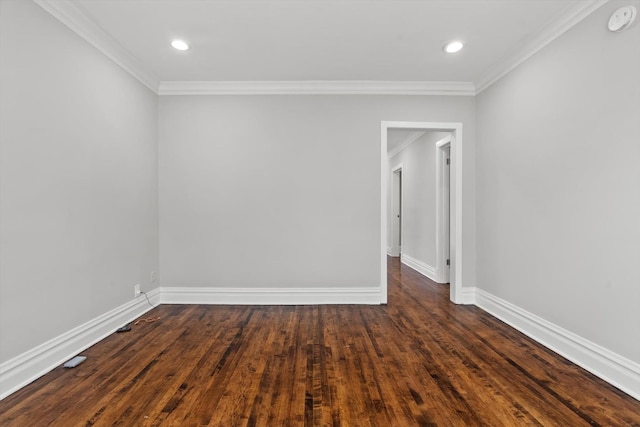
x=319, y=213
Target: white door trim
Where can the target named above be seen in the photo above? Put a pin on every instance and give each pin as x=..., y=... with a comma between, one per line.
x=395, y=244
x=443, y=215
x=456, y=200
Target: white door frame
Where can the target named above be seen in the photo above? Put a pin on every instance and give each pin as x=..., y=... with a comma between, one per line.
x=455, y=293
x=443, y=215
x=396, y=228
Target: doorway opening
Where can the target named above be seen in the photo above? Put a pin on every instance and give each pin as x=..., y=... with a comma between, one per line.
x=447, y=248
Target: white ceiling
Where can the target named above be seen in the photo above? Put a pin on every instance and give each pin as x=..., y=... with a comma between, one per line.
x=321, y=40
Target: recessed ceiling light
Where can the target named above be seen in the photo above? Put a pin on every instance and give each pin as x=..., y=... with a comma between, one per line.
x=180, y=45
x=453, y=47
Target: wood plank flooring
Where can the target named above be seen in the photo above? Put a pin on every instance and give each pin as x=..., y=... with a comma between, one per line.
x=419, y=361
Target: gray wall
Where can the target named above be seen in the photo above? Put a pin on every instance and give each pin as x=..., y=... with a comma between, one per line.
x=559, y=184
x=284, y=191
x=419, y=197
x=78, y=208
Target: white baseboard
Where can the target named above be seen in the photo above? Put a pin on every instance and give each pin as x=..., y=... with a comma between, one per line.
x=419, y=266
x=468, y=296
x=31, y=365
x=389, y=251
x=611, y=367
x=269, y=296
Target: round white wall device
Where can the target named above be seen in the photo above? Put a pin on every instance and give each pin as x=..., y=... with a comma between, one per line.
x=622, y=18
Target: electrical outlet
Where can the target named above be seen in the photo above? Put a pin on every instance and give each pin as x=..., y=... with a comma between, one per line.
x=152, y=276
x=136, y=290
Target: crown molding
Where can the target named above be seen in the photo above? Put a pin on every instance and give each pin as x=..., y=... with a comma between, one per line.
x=563, y=24
x=413, y=137
x=69, y=14
x=316, y=87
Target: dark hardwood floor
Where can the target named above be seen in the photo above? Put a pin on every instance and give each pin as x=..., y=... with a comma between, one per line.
x=419, y=361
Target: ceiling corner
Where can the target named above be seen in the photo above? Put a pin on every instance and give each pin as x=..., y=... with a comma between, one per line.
x=564, y=23
x=68, y=14
x=410, y=139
